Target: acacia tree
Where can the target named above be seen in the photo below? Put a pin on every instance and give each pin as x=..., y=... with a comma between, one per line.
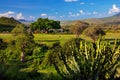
x=78, y=27
x=94, y=33
x=80, y=60
x=44, y=25
x=24, y=40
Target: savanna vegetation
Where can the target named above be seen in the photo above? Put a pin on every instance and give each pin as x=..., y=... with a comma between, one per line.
x=45, y=50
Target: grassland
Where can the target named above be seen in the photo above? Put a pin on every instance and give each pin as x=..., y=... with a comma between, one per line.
x=43, y=38
x=49, y=39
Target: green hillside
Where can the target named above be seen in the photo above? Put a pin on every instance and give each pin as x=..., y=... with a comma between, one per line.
x=7, y=24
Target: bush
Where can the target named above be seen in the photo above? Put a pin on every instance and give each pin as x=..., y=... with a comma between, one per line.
x=81, y=60
x=94, y=33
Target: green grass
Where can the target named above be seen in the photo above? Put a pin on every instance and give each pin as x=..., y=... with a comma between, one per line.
x=49, y=39
x=6, y=37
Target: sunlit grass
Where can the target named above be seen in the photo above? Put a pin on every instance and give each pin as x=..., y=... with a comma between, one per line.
x=6, y=37
x=112, y=36
x=49, y=39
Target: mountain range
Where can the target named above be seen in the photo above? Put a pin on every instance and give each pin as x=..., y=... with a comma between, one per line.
x=26, y=22
x=115, y=19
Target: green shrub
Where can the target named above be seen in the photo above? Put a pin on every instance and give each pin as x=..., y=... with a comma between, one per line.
x=82, y=60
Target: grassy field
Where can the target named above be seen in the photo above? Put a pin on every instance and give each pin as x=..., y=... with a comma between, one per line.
x=49, y=39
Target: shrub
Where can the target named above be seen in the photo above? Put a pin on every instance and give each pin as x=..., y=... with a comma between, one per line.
x=81, y=60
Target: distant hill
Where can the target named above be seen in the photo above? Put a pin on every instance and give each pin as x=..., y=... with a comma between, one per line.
x=115, y=19
x=26, y=22
x=67, y=22
x=8, y=21
x=7, y=24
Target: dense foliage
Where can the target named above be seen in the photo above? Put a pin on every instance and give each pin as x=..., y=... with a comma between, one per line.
x=21, y=58
x=43, y=25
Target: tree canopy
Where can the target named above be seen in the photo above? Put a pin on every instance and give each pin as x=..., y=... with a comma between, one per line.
x=44, y=24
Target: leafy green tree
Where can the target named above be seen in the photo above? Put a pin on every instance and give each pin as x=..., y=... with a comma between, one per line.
x=24, y=40
x=44, y=25
x=81, y=60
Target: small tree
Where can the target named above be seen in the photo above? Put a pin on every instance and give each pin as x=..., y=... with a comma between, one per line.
x=24, y=40
x=78, y=27
x=94, y=33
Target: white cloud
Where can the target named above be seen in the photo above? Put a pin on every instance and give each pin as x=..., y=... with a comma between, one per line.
x=51, y=17
x=70, y=0
x=114, y=9
x=81, y=12
x=71, y=14
x=32, y=17
x=7, y=14
x=62, y=16
x=43, y=15
x=77, y=14
x=12, y=14
x=95, y=12
x=74, y=14
x=82, y=3
x=19, y=16
x=88, y=13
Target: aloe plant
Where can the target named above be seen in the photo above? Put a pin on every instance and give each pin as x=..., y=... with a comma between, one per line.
x=81, y=60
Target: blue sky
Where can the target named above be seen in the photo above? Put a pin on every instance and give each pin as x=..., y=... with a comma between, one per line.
x=59, y=9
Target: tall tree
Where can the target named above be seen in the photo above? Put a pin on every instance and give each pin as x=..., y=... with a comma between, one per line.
x=23, y=40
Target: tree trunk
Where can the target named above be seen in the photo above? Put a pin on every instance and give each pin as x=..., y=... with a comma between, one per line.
x=22, y=57
x=22, y=53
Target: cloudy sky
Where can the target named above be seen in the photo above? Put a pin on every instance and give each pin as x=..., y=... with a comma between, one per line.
x=58, y=9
